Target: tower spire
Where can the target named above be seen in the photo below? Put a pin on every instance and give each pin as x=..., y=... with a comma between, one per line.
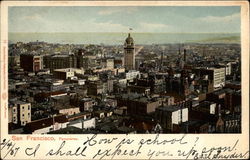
x=220, y=122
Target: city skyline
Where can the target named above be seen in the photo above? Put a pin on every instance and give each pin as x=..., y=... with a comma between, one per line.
x=114, y=89
x=176, y=19
x=151, y=84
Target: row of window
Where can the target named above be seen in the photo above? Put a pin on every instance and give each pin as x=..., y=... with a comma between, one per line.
x=28, y=115
x=14, y=109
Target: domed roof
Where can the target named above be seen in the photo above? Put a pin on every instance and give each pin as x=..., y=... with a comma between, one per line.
x=129, y=40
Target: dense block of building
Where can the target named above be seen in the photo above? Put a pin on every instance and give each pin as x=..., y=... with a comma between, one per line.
x=128, y=88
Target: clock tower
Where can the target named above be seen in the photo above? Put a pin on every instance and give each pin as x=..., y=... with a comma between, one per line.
x=129, y=53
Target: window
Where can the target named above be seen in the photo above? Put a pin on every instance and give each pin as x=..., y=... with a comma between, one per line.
x=14, y=110
x=23, y=107
x=23, y=115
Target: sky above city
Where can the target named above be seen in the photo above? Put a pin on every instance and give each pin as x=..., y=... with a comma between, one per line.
x=200, y=19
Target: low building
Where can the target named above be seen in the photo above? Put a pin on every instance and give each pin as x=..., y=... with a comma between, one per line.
x=45, y=96
x=206, y=107
x=168, y=100
x=19, y=112
x=95, y=88
x=43, y=72
x=110, y=102
x=232, y=123
x=62, y=106
x=107, y=63
x=192, y=126
x=99, y=114
x=82, y=115
x=82, y=120
x=132, y=74
x=170, y=115
x=64, y=73
x=86, y=104
x=119, y=70
x=43, y=126
x=68, y=110
x=126, y=130
x=138, y=89
x=138, y=105
x=108, y=86
x=121, y=110
x=83, y=123
x=143, y=125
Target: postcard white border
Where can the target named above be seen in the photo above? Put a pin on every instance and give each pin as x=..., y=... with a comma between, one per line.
x=205, y=139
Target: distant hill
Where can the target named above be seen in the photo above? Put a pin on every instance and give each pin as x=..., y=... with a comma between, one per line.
x=231, y=39
x=118, y=38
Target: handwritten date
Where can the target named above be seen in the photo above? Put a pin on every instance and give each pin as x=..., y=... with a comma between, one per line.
x=8, y=148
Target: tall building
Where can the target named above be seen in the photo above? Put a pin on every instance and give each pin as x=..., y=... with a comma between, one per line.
x=219, y=77
x=216, y=75
x=31, y=63
x=129, y=53
x=60, y=61
x=185, y=55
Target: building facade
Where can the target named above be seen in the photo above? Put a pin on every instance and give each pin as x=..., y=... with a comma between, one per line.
x=129, y=53
x=20, y=113
x=31, y=63
x=60, y=61
x=171, y=115
x=219, y=78
x=64, y=73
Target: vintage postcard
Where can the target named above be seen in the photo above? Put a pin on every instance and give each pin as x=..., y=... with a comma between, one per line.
x=124, y=80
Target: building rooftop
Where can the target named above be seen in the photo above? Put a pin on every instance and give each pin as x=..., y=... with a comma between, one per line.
x=130, y=96
x=221, y=91
x=194, y=123
x=18, y=102
x=79, y=114
x=169, y=108
x=60, y=55
x=124, y=129
x=68, y=130
x=45, y=122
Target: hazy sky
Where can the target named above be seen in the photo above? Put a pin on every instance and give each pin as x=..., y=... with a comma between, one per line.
x=120, y=19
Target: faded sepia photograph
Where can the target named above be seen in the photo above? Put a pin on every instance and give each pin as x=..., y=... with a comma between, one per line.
x=124, y=80
x=124, y=69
